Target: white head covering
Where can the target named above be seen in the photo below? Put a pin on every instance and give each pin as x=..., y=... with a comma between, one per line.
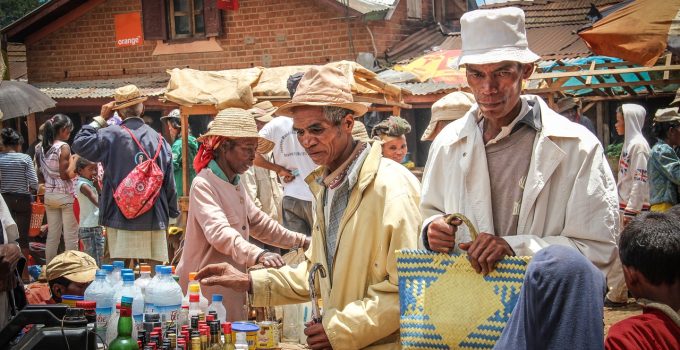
x=634, y=118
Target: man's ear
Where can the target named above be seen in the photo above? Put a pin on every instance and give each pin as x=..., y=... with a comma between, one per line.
x=634, y=280
x=348, y=122
x=527, y=70
x=57, y=290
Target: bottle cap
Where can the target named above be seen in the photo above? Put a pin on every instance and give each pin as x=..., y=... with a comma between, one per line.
x=158, y=268
x=128, y=277
x=125, y=300
x=152, y=317
x=145, y=268
x=226, y=327
x=217, y=297
x=86, y=304
x=192, y=276
x=118, y=264
x=209, y=318
x=194, y=288
x=173, y=269
x=100, y=273
x=107, y=268
x=127, y=271
x=166, y=270
x=185, y=307
x=194, y=298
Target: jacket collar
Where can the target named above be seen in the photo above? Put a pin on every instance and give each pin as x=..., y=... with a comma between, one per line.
x=133, y=122
x=536, y=118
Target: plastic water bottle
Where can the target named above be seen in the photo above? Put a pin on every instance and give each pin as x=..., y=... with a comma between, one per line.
x=148, y=303
x=128, y=289
x=101, y=292
x=203, y=302
x=109, y=274
x=217, y=306
x=144, y=278
x=112, y=327
x=167, y=296
x=118, y=266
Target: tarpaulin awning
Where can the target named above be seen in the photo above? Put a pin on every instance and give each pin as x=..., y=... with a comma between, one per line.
x=639, y=32
x=435, y=66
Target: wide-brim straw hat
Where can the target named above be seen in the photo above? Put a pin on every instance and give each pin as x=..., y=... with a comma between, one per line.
x=263, y=111
x=126, y=96
x=237, y=123
x=568, y=103
x=450, y=107
x=493, y=36
x=665, y=115
x=359, y=132
x=324, y=86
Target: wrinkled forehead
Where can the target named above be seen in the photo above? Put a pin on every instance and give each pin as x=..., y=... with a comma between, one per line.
x=305, y=117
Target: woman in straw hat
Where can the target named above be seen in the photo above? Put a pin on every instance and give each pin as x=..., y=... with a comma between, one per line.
x=664, y=165
x=392, y=132
x=222, y=216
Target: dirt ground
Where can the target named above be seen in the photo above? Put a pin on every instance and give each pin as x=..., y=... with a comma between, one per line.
x=612, y=316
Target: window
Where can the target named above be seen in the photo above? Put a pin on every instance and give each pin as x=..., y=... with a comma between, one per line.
x=414, y=9
x=180, y=19
x=186, y=19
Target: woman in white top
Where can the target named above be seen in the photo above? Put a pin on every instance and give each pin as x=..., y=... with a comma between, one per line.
x=53, y=157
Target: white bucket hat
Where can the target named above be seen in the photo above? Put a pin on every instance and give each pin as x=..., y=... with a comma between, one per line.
x=492, y=36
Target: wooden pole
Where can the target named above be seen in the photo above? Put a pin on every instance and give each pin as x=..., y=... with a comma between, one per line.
x=185, y=150
x=32, y=128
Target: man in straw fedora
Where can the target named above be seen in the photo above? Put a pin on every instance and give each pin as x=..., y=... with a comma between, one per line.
x=221, y=215
x=144, y=236
x=366, y=209
x=525, y=176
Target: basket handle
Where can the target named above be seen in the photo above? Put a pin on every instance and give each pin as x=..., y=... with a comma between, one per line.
x=473, y=231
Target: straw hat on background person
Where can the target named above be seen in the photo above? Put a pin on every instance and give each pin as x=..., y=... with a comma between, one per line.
x=263, y=111
x=126, y=96
x=447, y=109
x=237, y=123
x=324, y=86
x=665, y=115
x=568, y=103
x=390, y=128
x=359, y=132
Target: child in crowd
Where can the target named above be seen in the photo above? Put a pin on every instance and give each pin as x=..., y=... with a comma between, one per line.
x=90, y=233
x=650, y=253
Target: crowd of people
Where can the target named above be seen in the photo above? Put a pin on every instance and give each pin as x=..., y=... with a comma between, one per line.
x=307, y=175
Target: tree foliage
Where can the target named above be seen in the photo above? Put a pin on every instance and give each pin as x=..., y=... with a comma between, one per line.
x=11, y=10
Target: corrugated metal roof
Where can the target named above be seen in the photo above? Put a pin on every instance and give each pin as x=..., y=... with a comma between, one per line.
x=556, y=12
x=153, y=85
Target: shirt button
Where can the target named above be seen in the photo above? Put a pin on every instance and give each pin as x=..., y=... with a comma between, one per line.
x=241, y=200
x=243, y=228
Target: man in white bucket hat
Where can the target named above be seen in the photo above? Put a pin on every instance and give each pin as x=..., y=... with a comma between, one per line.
x=525, y=176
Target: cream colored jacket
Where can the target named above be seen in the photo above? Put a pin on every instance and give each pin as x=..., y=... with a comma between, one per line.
x=569, y=198
x=361, y=303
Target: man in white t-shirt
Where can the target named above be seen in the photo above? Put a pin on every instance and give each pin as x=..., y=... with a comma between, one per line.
x=292, y=164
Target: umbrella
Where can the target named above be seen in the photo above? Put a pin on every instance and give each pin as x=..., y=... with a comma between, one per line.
x=435, y=66
x=639, y=32
x=19, y=99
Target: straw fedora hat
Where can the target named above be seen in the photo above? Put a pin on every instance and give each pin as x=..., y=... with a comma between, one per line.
x=568, y=103
x=494, y=35
x=324, y=86
x=237, y=123
x=263, y=111
x=450, y=107
x=126, y=96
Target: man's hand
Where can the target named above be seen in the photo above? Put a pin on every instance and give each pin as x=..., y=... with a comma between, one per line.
x=442, y=236
x=316, y=336
x=285, y=174
x=107, y=110
x=224, y=275
x=485, y=251
x=270, y=259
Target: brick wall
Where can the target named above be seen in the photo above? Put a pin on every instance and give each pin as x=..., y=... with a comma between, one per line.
x=85, y=48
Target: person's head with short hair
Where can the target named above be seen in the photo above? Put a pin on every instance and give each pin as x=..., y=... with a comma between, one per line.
x=649, y=248
x=12, y=140
x=70, y=273
x=86, y=168
x=497, y=59
x=57, y=128
x=231, y=142
x=392, y=133
x=129, y=102
x=323, y=112
x=666, y=125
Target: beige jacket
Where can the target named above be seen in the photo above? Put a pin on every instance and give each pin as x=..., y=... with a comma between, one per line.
x=361, y=303
x=569, y=197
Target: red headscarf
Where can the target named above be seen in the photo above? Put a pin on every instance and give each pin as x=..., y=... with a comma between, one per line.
x=206, y=152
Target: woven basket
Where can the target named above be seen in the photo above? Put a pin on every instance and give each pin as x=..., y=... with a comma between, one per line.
x=446, y=304
x=37, y=216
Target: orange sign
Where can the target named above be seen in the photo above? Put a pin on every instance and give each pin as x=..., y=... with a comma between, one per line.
x=128, y=29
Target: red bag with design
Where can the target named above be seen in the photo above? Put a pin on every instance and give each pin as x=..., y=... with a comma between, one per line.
x=138, y=191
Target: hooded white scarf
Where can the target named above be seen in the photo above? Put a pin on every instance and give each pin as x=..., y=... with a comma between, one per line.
x=632, y=179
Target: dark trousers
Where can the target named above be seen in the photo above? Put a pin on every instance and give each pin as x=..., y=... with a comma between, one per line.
x=19, y=205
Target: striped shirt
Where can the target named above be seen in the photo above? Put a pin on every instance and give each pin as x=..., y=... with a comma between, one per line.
x=17, y=174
